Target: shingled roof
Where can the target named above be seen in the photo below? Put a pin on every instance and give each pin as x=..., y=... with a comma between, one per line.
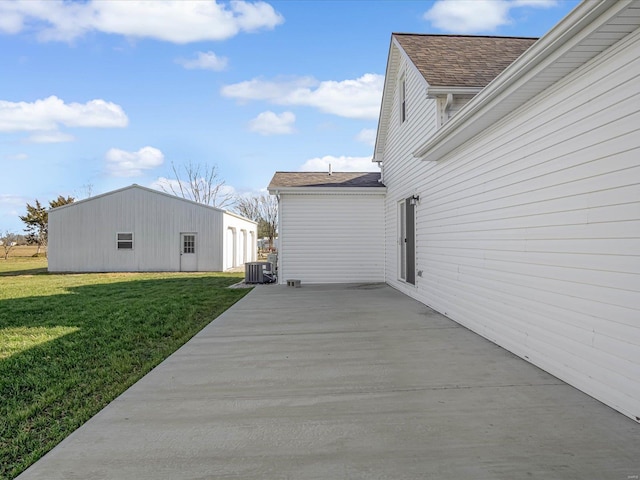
x=323, y=179
x=461, y=60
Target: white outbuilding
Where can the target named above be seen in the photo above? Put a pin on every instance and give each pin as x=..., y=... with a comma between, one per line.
x=331, y=226
x=139, y=229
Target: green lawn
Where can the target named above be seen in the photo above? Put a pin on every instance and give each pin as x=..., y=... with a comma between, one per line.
x=69, y=344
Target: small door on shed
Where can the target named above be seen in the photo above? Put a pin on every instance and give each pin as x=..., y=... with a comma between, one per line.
x=188, y=252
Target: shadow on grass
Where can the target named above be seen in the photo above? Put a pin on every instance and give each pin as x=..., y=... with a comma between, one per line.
x=30, y=271
x=121, y=330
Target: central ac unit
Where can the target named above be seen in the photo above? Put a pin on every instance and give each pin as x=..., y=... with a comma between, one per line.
x=258, y=272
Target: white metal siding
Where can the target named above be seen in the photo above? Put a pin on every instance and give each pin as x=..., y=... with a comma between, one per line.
x=233, y=254
x=82, y=237
x=530, y=233
x=332, y=238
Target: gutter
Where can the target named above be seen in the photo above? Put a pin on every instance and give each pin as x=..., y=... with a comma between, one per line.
x=378, y=190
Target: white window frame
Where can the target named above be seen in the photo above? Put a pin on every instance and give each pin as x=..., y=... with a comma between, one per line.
x=402, y=252
x=119, y=241
x=191, y=245
x=403, y=98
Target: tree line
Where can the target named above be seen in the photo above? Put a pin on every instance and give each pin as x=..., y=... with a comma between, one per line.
x=36, y=226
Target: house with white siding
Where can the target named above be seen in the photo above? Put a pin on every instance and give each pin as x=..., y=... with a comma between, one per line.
x=512, y=203
x=137, y=229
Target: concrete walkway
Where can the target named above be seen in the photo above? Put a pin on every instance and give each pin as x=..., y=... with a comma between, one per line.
x=346, y=382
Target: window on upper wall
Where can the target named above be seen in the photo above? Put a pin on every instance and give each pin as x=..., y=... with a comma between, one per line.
x=403, y=99
x=124, y=240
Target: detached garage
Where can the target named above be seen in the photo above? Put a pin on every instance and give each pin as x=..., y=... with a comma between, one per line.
x=139, y=229
x=331, y=226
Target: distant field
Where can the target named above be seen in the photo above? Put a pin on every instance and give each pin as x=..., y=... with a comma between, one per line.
x=22, y=261
x=24, y=251
x=69, y=344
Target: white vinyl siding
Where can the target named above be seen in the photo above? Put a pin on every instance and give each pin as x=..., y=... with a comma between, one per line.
x=529, y=234
x=400, y=169
x=331, y=238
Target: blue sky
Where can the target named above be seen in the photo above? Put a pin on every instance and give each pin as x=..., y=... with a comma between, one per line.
x=111, y=93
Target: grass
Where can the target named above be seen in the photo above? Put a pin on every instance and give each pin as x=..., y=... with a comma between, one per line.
x=69, y=344
x=21, y=261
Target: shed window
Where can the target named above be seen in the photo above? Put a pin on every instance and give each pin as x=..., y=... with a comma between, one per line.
x=124, y=241
x=188, y=244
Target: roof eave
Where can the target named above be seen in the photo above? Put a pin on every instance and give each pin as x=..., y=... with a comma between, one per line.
x=311, y=190
x=440, y=90
x=473, y=117
x=150, y=190
x=389, y=85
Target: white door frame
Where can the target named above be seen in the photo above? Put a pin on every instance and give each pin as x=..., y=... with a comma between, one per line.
x=407, y=241
x=189, y=252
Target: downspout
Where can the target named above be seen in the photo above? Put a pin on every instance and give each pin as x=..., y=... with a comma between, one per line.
x=447, y=106
x=279, y=257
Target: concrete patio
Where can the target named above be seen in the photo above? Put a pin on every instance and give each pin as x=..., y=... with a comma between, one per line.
x=346, y=381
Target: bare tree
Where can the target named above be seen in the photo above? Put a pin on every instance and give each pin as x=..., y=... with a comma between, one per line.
x=262, y=209
x=248, y=207
x=85, y=191
x=8, y=241
x=200, y=183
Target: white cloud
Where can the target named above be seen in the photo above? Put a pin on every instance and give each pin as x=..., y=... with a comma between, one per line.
x=270, y=123
x=205, y=61
x=476, y=16
x=51, y=112
x=50, y=137
x=11, y=206
x=358, y=98
x=339, y=164
x=536, y=3
x=276, y=91
x=177, y=21
x=10, y=22
x=368, y=136
x=121, y=163
x=167, y=185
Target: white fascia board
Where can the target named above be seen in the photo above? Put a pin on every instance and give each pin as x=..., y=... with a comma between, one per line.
x=240, y=217
x=382, y=124
x=383, y=120
x=329, y=190
x=387, y=94
x=473, y=117
x=433, y=92
x=89, y=199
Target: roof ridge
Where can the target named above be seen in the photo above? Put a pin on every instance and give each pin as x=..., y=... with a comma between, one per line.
x=321, y=171
x=461, y=35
